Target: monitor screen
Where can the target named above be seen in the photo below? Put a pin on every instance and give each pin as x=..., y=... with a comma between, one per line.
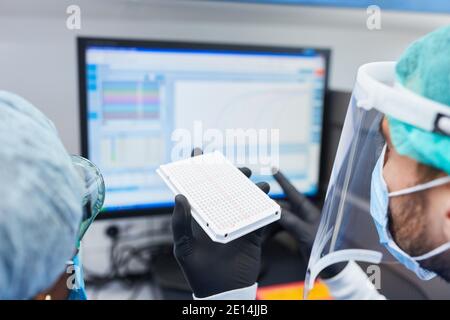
x=140, y=99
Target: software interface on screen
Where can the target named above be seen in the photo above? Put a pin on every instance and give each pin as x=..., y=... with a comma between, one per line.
x=137, y=97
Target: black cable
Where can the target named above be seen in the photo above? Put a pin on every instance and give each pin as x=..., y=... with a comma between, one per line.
x=143, y=235
x=121, y=257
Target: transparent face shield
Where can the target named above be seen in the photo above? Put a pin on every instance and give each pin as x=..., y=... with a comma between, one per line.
x=94, y=192
x=356, y=217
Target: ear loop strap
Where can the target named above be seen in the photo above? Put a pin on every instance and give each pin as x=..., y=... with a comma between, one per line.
x=421, y=187
x=432, y=253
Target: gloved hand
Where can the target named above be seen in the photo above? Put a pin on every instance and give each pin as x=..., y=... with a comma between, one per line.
x=210, y=267
x=301, y=218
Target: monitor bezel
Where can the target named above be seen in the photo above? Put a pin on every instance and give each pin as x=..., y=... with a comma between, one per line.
x=84, y=42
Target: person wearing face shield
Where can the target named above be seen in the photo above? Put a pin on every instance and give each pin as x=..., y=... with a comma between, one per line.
x=388, y=199
x=49, y=199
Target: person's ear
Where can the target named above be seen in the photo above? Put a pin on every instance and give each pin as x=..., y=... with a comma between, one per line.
x=446, y=222
x=447, y=225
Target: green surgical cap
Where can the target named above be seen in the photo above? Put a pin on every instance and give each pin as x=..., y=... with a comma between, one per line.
x=424, y=68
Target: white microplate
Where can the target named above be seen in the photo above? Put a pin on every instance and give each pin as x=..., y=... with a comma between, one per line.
x=224, y=202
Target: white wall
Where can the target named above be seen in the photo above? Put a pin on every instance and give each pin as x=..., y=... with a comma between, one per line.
x=38, y=56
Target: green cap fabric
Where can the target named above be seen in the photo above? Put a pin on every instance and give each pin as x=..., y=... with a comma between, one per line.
x=424, y=68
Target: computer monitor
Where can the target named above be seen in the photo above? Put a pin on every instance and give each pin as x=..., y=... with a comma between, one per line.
x=135, y=94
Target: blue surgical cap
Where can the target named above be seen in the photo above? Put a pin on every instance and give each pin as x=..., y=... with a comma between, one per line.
x=40, y=207
x=424, y=68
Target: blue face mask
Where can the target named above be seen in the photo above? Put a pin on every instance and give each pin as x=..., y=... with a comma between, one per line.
x=379, y=206
x=78, y=294
x=77, y=290
x=93, y=198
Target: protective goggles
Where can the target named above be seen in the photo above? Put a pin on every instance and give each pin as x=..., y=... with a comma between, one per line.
x=94, y=191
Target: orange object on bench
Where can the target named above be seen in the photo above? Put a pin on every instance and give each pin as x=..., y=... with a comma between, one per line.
x=293, y=291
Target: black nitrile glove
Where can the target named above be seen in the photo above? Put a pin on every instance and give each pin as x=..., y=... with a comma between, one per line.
x=301, y=218
x=211, y=267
